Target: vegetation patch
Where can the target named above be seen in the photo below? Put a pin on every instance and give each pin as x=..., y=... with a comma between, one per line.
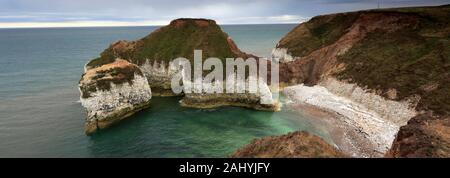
x=413, y=61
x=102, y=79
x=179, y=39
x=319, y=32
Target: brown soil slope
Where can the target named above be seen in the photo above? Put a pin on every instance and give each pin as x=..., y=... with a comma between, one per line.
x=406, y=50
x=293, y=145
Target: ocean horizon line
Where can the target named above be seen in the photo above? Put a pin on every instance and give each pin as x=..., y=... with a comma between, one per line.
x=121, y=26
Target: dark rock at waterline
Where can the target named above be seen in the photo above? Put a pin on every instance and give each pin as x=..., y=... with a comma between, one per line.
x=397, y=53
x=293, y=145
x=423, y=136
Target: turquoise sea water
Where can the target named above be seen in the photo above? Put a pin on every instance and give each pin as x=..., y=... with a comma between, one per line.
x=40, y=115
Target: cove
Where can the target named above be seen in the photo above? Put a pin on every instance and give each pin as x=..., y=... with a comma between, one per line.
x=168, y=130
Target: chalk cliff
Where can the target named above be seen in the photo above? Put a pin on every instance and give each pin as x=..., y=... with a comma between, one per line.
x=260, y=100
x=112, y=92
x=180, y=38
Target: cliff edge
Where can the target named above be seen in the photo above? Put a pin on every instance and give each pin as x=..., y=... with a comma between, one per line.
x=394, y=64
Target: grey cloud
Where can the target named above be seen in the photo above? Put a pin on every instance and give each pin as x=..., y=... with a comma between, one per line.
x=229, y=11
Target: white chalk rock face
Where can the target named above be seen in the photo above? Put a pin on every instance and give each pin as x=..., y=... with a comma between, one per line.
x=255, y=95
x=113, y=92
x=159, y=75
x=281, y=55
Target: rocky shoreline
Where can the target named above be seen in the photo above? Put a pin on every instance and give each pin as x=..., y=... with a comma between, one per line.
x=346, y=137
x=370, y=134
x=381, y=73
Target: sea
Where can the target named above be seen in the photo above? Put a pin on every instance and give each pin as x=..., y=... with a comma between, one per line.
x=41, y=116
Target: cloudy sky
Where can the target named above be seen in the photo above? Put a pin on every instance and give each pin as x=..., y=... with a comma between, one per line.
x=58, y=13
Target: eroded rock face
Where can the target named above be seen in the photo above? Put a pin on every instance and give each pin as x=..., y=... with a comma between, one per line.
x=259, y=100
x=281, y=55
x=308, y=63
x=292, y=145
x=114, y=89
x=154, y=54
x=424, y=136
x=113, y=92
x=351, y=55
x=159, y=76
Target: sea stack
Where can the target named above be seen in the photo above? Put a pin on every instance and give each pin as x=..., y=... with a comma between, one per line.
x=155, y=52
x=112, y=92
x=151, y=59
x=384, y=67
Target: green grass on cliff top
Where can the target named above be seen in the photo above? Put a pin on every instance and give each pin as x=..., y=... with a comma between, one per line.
x=103, y=79
x=324, y=30
x=404, y=61
x=171, y=42
x=320, y=31
x=414, y=60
